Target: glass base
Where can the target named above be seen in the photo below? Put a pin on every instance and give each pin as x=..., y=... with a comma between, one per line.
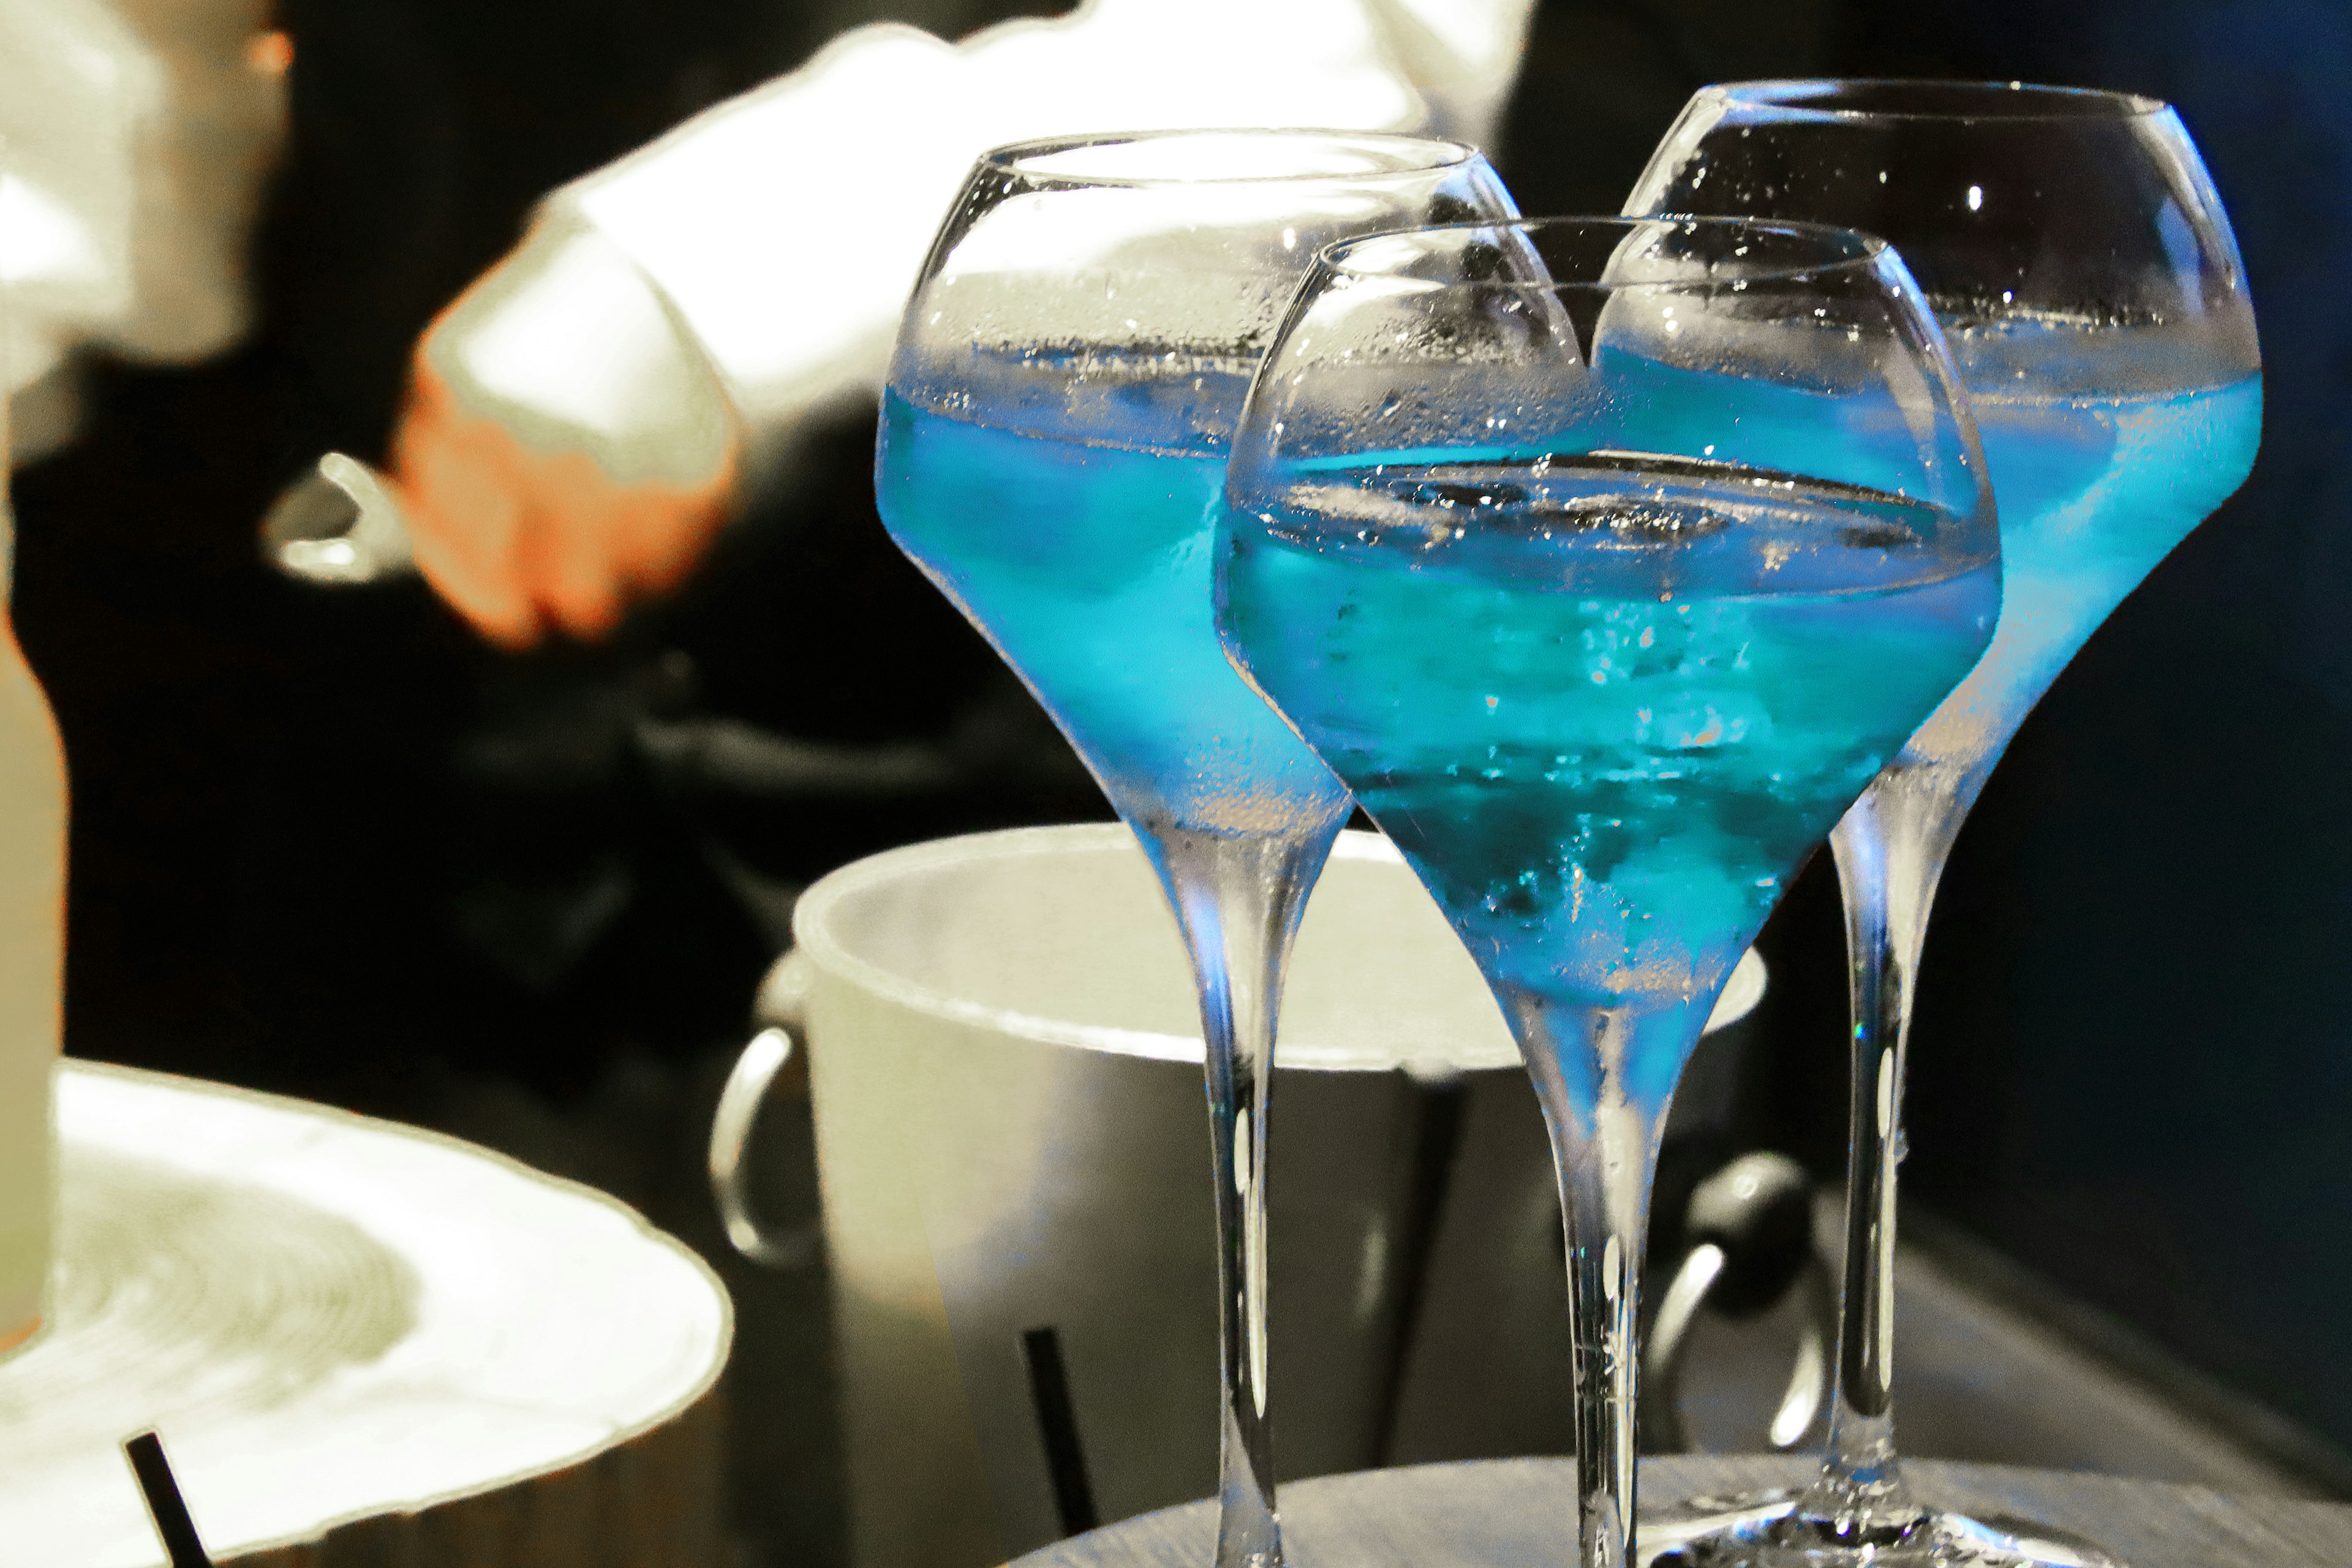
x=1766, y=1530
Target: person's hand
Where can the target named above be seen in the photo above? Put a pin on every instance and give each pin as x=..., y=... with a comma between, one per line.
x=521, y=540
x=566, y=449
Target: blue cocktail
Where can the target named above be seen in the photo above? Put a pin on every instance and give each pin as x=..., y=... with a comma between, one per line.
x=1607, y=562
x=1608, y=717
x=2084, y=272
x=1065, y=387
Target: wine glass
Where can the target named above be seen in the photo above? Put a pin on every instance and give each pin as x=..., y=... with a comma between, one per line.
x=2073, y=246
x=1607, y=562
x=1052, y=455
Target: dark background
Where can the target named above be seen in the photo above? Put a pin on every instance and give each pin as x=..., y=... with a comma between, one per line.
x=328, y=843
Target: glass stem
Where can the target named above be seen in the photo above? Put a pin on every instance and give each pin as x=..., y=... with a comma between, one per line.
x=1890, y=850
x=1238, y=899
x=1586, y=1063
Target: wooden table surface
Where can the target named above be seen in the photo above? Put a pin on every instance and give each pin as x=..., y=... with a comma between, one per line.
x=361, y=1344
x=1516, y=1514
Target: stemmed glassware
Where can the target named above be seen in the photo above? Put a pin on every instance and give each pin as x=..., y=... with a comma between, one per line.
x=1066, y=381
x=2085, y=274
x=1607, y=562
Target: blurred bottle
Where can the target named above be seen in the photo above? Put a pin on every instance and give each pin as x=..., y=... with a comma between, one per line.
x=137, y=137
x=32, y=957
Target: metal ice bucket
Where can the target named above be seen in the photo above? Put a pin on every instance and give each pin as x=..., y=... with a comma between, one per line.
x=1006, y=1065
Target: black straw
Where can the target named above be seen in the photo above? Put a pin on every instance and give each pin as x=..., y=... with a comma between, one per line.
x=1057, y=1424
x=1445, y=1105
x=164, y=1504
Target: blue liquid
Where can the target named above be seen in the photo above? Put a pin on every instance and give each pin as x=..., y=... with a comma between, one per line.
x=2093, y=489
x=2092, y=493
x=1607, y=714
x=1086, y=562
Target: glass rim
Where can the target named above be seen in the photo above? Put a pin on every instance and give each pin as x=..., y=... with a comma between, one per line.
x=1844, y=250
x=1011, y=158
x=2022, y=102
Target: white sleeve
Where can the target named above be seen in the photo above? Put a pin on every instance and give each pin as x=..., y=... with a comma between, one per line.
x=74, y=84
x=787, y=226
x=1461, y=55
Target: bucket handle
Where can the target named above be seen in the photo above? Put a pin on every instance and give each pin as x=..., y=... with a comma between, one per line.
x=781, y=1009
x=1752, y=1233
